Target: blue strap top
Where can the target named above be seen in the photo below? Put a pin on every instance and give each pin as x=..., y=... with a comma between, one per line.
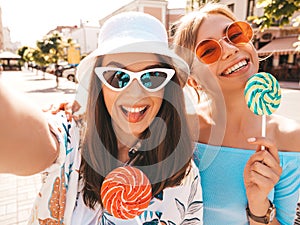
x=224, y=196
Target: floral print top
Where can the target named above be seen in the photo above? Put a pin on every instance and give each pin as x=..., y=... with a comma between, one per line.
x=60, y=198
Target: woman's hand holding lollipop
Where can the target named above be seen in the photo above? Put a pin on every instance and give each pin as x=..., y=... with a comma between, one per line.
x=262, y=171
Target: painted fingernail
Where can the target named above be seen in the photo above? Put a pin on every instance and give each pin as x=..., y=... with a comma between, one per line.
x=251, y=139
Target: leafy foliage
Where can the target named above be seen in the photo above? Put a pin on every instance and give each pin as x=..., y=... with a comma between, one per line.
x=276, y=12
x=51, y=49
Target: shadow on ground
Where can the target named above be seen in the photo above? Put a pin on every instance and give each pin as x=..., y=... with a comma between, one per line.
x=54, y=89
x=38, y=79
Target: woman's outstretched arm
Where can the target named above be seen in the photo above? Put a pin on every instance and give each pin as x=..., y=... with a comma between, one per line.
x=26, y=144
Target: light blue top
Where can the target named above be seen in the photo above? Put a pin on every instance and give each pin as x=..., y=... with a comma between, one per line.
x=221, y=170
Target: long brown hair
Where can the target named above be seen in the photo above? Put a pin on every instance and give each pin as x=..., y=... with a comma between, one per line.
x=100, y=150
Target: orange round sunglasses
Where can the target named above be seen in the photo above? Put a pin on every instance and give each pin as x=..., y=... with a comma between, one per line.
x=237, y=33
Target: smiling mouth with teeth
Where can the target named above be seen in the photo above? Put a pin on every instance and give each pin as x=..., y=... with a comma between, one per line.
x=134, y=114
x=235, y=67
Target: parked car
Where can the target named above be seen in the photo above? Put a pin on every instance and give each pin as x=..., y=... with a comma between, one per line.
x=70, y=74
x=61, y=68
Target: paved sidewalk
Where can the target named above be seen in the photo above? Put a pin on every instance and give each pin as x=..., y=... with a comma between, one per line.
x=17, y=195
x=289, y=85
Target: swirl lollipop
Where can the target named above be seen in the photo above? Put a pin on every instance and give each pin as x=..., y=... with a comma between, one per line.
x=262, y=94
x=126, y=192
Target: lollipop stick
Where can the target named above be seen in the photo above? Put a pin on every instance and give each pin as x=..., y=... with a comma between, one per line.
x=263, y=128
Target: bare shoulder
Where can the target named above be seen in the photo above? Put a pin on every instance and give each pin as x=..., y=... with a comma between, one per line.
x=286, y=133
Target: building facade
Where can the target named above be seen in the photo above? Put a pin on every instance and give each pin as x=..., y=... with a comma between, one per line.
x=86, y=37
x=1, y=32
x=156, y=8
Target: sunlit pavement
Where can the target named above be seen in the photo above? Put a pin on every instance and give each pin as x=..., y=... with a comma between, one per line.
x=40, y=87
x=18, y=193
x=290, y=101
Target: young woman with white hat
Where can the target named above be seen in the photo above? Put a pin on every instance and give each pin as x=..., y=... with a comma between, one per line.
x=134, y=118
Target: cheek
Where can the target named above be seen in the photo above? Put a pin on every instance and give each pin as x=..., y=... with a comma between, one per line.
x=110, y=98
x=157, y=99
x=255, y=62
x=158, y=103
x=254, y=58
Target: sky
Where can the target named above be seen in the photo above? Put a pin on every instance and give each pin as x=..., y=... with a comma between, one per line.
x=29, y=20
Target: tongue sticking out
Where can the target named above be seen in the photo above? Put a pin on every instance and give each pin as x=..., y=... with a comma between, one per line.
x=134, y=117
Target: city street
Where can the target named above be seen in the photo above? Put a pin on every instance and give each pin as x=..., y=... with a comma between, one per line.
x=18, y=193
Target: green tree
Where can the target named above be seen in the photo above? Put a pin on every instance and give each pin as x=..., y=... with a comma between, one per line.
x=26, y=54
x=52, y=50
x=276, y=12
x=53, y=46
x=21, y=52
x=40, y=59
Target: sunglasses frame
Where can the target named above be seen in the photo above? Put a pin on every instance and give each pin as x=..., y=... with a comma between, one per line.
x=134, y=75
x=226, y=38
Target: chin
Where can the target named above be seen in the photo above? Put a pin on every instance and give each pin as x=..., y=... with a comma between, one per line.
x=137, y=131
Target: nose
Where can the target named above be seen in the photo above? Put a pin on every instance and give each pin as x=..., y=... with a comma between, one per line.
x=229, y=49
x=135, y=88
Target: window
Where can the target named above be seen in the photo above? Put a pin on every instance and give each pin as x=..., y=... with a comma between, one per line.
x=231, y=7
x=250, y=9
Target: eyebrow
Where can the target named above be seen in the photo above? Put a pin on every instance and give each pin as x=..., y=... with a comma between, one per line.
x=224, y=31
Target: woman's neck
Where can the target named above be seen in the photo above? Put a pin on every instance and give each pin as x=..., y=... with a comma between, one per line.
x=242, y=123
x=123, y=152
x=125, y=142
x=233, y=122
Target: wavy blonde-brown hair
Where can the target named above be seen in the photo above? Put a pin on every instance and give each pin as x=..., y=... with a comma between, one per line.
x=186, y=33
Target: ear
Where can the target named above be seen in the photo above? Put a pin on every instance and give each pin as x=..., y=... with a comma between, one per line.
x=192, y=82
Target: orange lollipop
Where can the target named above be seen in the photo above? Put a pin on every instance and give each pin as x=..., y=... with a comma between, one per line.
x=126, y=192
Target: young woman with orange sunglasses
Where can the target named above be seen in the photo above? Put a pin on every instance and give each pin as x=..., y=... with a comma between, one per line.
x=241, y=183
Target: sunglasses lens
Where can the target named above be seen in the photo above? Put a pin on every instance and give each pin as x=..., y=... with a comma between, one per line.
x=154, y=79
x=208, y=51
x=239, y=32
x=116, y=79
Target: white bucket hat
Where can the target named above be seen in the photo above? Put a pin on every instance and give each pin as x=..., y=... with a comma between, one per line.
x=131, y=32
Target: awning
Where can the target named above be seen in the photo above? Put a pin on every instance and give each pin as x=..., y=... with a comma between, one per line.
x=9, y=55
x=280, y=46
